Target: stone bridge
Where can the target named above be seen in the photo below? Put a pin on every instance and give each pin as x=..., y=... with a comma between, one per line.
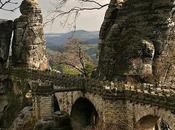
x=136, y=41
x=119, y=105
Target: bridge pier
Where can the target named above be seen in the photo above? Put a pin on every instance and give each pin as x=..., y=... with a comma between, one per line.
x=43, y=106
x=116, y=115
x=42, y=101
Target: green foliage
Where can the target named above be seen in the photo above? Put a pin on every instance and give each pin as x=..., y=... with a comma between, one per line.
x=89, y=67
x=69, y=70
x=74, y=60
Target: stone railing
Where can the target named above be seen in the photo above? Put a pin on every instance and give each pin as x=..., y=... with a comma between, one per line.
x=60, y=82
x=156, y=95
x=68, y=81
x=146, y=94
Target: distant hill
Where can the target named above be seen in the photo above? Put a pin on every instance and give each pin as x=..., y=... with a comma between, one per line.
x=54, y=40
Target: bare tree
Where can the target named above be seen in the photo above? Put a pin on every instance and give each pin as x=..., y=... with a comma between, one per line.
x=84, y=5
x=5, y=3
x=73, y=56
x=75, y=46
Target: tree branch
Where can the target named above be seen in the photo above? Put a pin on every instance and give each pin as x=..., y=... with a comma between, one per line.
x=73, y=66
x=58, y=12
x=8, y=2
x=81, y=58
x=92, y=1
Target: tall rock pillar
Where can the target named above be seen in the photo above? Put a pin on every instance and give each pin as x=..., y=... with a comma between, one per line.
x=29, y=49
x=138, y=40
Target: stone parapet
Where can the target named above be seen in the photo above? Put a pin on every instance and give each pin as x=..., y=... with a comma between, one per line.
x=161, y=95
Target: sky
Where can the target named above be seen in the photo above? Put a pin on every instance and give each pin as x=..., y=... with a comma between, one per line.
x=86, y=20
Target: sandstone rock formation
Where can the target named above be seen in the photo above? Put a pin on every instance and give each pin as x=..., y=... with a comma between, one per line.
x=60, y=121
x=137, y=39
x=23, y=120
x=6, y=27
x=3, y=104
x=29, y=48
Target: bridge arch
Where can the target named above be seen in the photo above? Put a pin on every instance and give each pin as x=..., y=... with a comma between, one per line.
x=151, y=115
x=56, y=105
x=151, y=122
x=84, y=113
x=148, y=122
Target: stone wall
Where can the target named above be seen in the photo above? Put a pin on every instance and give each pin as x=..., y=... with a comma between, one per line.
x=140, y=111
x=42, y=100
x=137, y=39
x=117, y=116
x=29, y=49
x=121, y=109
x=6, y=27
x=118, y=104
x=67, y=99
x=125, y=115
x=43, y=106
x=116, y=113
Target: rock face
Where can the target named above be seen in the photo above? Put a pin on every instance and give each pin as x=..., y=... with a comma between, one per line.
x=29, y=48
x=23, y=120
x=60, y=121
x=137, y=39
x=6, y=27
x=3, y=104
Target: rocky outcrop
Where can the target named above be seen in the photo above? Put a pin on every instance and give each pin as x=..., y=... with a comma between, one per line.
x=6, y=27
x=59, y=121
x=29, y=48
x=24, y=120
x=137, y=39
x=3, y=105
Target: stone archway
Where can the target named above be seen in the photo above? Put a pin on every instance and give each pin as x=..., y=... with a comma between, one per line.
x=142, y=111
x=84, y=114
x=56, y=106
x=150, y=122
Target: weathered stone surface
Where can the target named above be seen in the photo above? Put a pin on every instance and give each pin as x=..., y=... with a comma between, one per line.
x=23, y=120
x=6, y=27
x=11, y=102
x=44, y=124
x=133, y=38
x=29, y=48
x=118, y=105
x=3, y=104
x=137, y=38
x=60, y=121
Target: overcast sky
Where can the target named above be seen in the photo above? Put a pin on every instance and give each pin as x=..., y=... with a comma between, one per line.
x=87, y=20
